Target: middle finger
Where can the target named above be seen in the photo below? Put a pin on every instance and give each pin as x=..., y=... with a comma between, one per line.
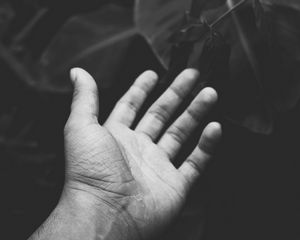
x=163, y=109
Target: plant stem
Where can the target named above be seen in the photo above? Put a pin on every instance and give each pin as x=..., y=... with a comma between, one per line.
x=228, y=13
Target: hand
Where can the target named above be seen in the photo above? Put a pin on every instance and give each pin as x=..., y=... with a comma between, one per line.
x=124, y=177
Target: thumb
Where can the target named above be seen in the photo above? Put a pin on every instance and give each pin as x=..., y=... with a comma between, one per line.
x=85, y=102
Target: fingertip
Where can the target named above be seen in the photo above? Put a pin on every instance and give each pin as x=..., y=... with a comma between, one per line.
x=151, y=74
x=214, y=130
x=81, y=77
x=73, y=74
x=147, y=80
x=191, y=73
x=149, y=77
x=85, y=94
x=211, y=137
x=209, y=95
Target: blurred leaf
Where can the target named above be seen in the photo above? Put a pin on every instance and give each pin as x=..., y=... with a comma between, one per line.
x=224, y=65
x=100, y=38
x=294, y=4
x=279, y=24
x=236, y=77
x=245, y=102
x=198, y=6
x=157, y=21
x=6, y=16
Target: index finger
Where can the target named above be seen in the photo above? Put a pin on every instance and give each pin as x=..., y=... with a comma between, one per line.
x=128, y=106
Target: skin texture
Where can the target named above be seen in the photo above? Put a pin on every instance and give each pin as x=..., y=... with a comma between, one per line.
x=120, y=182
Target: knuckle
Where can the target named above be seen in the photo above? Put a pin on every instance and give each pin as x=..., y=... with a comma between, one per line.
x=178, y=134
x=160, y=112
x=195, y=165
x=195, y=114
x=178, y=92
x=128, y=104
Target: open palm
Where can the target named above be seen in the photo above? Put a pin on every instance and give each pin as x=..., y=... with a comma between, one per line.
x=131, y=170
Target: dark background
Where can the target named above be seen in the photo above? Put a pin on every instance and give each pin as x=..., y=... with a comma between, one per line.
x=250, y=192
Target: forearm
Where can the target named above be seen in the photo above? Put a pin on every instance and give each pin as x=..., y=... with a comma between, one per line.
x=76, y=217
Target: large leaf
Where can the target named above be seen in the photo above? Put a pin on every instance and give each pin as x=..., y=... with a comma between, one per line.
x=279, y=23
x=97, y=39
x=245, y=100
x=240, y=88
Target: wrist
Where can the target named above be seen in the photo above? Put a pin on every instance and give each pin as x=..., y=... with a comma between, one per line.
x=79, y=215
x=97, y=216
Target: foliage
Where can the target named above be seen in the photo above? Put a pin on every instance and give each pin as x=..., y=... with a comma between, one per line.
x=263, y=37
x=250, y=54
x=91, y=40
x=279, y=23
